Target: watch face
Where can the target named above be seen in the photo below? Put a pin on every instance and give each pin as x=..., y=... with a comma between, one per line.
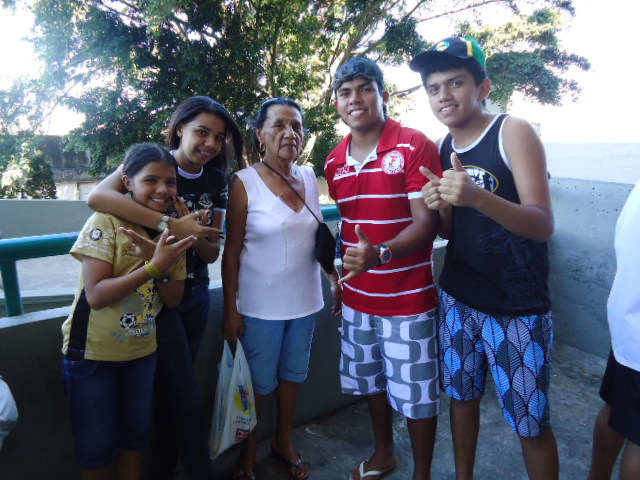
x=385, y=254
x=163, y=224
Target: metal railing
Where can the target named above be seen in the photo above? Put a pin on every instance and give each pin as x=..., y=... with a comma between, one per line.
x=14, y=249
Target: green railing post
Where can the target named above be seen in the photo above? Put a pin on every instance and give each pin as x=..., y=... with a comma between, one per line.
x=14, y=249
x=330, y=212
x=12, y=298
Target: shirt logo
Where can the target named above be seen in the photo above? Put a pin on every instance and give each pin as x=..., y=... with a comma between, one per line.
x=96, y=234
x=393, y=162
x=342, y=171
x=482, y=178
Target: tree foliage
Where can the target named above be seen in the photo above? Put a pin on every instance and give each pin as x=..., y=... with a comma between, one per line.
x=25, y=174
x=125, y=64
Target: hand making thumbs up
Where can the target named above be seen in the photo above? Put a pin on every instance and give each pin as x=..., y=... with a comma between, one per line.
x=456, y=185
x=431, y=191
x=360, y=258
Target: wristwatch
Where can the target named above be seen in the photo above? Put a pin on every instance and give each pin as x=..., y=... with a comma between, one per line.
x=384, y=254
x=163, y=224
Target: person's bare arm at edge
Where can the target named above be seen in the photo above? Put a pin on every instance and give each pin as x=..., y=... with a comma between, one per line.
x=232, y=323
x=109, y=197
x=418, y=234
x=532, y=217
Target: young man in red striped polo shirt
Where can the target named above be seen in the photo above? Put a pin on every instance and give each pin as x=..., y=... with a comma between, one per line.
x=389, y=349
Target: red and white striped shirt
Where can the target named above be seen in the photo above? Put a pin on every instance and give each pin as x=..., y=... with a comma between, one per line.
x=376, y=195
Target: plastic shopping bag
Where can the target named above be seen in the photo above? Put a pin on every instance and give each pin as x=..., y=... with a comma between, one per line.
x=8, y=411
x=234, y=411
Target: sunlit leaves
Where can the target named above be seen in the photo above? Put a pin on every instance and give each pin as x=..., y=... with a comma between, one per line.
x=125, y=64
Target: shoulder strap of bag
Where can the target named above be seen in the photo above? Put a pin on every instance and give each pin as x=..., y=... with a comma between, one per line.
x=294, y=190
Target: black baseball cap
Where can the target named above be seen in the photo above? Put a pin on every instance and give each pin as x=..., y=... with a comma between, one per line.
x=464, y=48
x=358, y=67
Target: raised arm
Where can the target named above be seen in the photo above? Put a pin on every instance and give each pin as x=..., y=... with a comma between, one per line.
x=207, y=248
x=103, y=289
x=417, y=235
x=233, y=325
x=434, y=201
x=109, y=197
x=532, y=217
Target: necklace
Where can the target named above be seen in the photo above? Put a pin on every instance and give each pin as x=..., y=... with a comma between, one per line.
x=283, y=196
x=294, y=171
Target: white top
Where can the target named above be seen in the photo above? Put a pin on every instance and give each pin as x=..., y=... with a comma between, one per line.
x=279, y=277
x=623, y=308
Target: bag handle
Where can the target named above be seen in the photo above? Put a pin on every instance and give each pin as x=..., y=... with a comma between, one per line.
x=294, y=190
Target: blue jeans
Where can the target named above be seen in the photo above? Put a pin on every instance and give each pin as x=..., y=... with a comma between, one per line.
x=178, y=427
x=110, y=404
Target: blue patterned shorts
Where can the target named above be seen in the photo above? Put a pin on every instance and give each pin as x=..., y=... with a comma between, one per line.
x=398, y=354
x=518, y=351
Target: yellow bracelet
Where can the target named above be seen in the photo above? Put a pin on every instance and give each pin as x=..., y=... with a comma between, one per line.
x=152, y=270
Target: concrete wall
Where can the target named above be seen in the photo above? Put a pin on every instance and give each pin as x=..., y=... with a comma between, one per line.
x=581, y=250
x=41, y=446
x=582, y=270
x=74, y=190
x=26, y=218
x=582, y=260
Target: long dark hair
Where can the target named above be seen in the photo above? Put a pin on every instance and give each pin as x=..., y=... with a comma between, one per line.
x=258, y=123
x=194, y=106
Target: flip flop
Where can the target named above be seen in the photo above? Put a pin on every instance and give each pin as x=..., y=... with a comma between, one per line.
x=298, y=466
x=371, y=473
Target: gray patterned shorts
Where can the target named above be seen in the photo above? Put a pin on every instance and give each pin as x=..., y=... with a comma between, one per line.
x=396, y=354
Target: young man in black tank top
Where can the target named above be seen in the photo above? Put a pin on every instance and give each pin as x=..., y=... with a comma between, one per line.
x=495, y=209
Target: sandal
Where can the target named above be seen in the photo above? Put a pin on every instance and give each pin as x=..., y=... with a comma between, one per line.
x=242, y=475
x=296, y=470
x=371, y=473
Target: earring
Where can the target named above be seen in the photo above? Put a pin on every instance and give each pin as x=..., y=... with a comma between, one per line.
x=262, y=148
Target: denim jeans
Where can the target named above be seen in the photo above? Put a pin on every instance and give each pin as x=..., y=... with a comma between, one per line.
x=277, y=349
x=178, y=428
x=110, y=404
x=194, y=312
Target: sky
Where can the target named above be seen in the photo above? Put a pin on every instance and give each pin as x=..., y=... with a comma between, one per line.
x=608, y=107
x=606, y=111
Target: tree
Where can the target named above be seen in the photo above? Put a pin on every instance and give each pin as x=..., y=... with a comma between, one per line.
x=23, y=170
x=25, y=174
x=125, y=64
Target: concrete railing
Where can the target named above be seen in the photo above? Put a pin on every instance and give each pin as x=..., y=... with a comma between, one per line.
x=582, y=270
x=41, y=445
x=14, y=249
